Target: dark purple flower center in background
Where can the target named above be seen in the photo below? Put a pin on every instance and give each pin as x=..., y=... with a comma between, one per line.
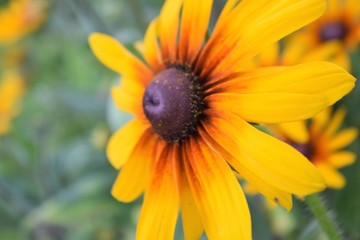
x=333, y=31
x=173, y=103
x=306, y=149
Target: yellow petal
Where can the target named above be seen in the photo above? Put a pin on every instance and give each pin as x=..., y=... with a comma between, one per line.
x=335, y=122
x=343, y=138
x=334, y=7
x=331, y=51
x=320, y=121
x=342, y=159
x=217, y=193
x=135, y=174
x=224, y=146
x=191, y=218
x=333, y=178
x=272, y=160
x=252, y=26
x=353, y=7
x=342, y=59
x=320, y=78
x=228, y=8
x=168, y=28
x=269, y=107
x=122, y=142
x=125, y=101
x=269, y=56
x=194, y=23
x=296, y=131
x=159, y=211
x=116, y=57
x=295, y=48
x=152, y=53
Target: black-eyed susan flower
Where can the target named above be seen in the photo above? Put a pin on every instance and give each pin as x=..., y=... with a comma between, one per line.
x=321, y=141
x=19, y=17
x=341, y=23
x=193, y=102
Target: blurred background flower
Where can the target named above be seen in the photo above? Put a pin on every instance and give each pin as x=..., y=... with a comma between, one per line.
x=55, y=179
x=20, y=17
x=340, y=23
x=321, y=141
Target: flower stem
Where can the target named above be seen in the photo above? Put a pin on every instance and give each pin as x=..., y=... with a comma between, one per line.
x=318, y=209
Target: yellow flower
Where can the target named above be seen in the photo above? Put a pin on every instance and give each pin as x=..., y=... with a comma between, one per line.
x=193, y=102
x=321, y=142
x=19, y=17
x=11, y=90
x=340, y=23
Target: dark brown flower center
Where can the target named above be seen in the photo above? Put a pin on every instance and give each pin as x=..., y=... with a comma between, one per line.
x=173, y=103
x=333, y=31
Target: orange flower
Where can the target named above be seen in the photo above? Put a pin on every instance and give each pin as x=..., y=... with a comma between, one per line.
x=192, y=102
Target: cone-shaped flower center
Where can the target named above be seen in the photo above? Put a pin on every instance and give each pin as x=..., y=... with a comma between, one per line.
x=173, y=103
x=333, y=31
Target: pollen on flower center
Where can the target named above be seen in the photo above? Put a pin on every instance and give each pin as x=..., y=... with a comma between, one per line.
x=333, y=31
x=173, y=103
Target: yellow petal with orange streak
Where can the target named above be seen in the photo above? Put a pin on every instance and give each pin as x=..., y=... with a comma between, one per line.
x=194, y=22
x=296, y=131
x=270, y=159
x=159, y=211
x=333, y=178
x=168, y=26
x=123, y=141
x=134, y=176
x=343, y=138
x=116, y=57
x=191, y=218
x=274, y=107
x=228, y=150
x=320, y=78
x=342, y=158
x=252, y=26
x=217, y=193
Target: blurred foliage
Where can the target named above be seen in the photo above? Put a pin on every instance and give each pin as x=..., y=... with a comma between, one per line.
x=55, y=179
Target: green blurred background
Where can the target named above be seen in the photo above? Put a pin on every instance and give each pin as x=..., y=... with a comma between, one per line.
x=55, y=179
